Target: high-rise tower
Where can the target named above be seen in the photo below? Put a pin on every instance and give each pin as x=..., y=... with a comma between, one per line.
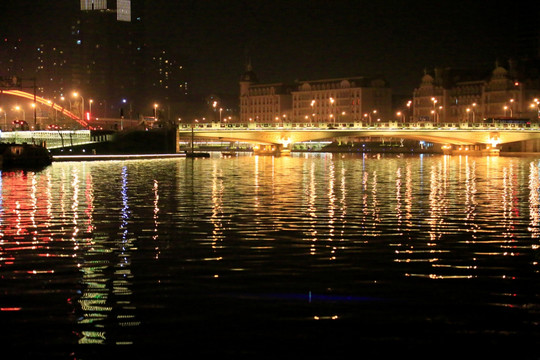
x=107, y=53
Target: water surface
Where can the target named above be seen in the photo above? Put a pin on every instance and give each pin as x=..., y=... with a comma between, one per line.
x=307, y=254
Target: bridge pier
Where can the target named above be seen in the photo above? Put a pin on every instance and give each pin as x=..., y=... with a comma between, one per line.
x=274, y=149
x=479, y=149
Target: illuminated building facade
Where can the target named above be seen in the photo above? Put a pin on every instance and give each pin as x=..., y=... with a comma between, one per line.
x=328, y=100
x=343, y=100
x=452, y=96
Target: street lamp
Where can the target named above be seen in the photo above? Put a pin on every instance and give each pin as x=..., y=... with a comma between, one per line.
x=368, y=115
x=536, y=105
x=505, y=107
x=332, y=109
x=5, y=118
x=76, y=94
x=434, y=112
x=90, y=107
x=18, y=108
x=220, y=110
x=155, y=112
x=473, y=112
x=62, y=98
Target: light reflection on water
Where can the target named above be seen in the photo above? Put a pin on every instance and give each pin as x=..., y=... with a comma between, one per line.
x=102, y=252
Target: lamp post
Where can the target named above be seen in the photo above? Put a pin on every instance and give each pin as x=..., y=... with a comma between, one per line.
x=5, y=118
x=34, y=108
x=536, y=105
x=18, y=108
x=76, y=94
x=155, y=112
x=220, y=110
x=506, y=107
x=434, y=112
x=511, y=107
x=469, y=110
x=332, y=101
x=399, y=114
x=312, y=118
x=90, y=107
x=214, y=106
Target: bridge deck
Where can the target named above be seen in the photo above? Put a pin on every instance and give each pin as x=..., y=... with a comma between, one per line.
x=287, y=133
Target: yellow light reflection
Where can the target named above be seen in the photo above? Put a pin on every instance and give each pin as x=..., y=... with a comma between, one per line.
x=534, y=200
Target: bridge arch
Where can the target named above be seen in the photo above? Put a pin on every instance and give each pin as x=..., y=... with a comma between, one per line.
x=44, y=101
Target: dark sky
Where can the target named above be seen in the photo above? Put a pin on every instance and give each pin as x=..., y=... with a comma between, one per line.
x=305, y=40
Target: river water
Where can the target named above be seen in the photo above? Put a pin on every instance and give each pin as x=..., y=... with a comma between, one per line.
x=317, y=254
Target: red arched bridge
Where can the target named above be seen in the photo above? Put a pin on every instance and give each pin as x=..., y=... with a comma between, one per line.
x=50, y=103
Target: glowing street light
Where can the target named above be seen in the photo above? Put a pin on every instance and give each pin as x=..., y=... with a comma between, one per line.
x=312, y=110
x=5, y=118
x=332, y=101
x=399, y=114
x=505, y=107
x=155, y=112
x=76, y=94
x=18, y=108
x=536, y=105
x=368, y=115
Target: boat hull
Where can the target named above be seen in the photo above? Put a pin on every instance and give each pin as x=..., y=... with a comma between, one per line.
x=24, y=156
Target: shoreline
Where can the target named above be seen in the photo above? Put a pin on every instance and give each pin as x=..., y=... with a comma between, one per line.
x=115, y=157
x=92, y=157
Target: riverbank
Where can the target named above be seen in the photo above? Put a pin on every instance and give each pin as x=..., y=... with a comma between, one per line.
x=116, y=157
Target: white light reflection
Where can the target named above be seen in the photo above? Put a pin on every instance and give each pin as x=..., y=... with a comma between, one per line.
x=122, y=273
x=89, y=196
x=75, y=207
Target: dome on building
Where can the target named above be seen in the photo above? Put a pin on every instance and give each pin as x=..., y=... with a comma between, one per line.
x=427, y=79
x=500, y=72
x=249, y=74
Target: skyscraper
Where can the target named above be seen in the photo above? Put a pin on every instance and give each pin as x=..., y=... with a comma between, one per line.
x=107, y=53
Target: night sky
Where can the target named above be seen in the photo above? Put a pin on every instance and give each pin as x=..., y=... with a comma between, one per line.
x=307, y=40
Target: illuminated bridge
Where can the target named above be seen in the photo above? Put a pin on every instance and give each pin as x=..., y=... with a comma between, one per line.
x=281, y=136
x=50, y=103
x=56, y=139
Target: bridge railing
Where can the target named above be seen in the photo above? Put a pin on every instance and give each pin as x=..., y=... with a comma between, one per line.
x=53, y=139
x=362, y=126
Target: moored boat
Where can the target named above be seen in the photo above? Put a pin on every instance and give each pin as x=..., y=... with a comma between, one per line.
x=191, y=154
x=24, y=156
